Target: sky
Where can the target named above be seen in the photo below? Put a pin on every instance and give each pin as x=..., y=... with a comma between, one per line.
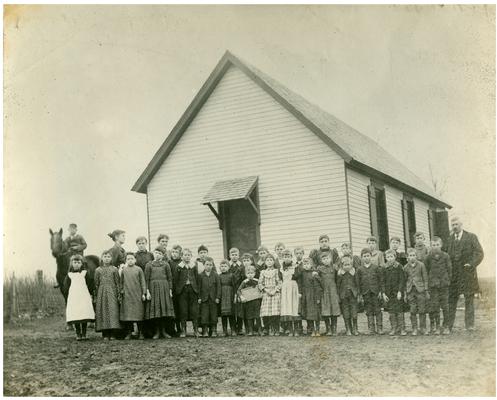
x=91, y=92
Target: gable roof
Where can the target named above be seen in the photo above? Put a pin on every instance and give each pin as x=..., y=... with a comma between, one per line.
x=231, y=189
x=358, y=150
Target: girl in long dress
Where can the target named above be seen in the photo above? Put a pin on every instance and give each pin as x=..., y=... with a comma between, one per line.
x=133, y=294
x=289, y=313
x=270, y=286
x=107, y=297
x=159, y=281
x=79, y=309
x=330, y=304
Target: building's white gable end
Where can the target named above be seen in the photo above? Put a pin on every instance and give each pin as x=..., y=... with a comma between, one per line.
x=242, y=131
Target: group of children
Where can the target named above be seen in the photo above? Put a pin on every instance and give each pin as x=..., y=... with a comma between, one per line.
x=155, y=293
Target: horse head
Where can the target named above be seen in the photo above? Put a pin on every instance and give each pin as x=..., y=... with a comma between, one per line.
x=56, y=243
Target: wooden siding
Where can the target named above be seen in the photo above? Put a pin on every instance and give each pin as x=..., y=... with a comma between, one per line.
x=421, y=213
x=242, y=131
x=394, y=212
x=360, y=223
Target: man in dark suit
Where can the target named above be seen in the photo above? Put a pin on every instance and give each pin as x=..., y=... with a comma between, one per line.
x=466, y=254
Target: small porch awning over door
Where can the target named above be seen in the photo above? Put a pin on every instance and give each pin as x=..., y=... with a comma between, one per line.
x=231, y=189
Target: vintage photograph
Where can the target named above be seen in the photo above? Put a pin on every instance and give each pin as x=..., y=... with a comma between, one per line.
x=249, y=200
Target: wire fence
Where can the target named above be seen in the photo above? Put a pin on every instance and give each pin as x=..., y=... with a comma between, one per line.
x=31, y=297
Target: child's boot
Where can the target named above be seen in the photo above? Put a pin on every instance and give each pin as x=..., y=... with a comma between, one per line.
x=182, y=329
x=414, y=325
x=379, y=323
x=249, y=327
x=348, y=327
x=402, y=324
x=328, y=327
x=157, y=333
x=205, y=331
x=334, y=325
x=317, y=328
x=296, y=328
x=438, y=330
x=83, y=331
x=214, y=331
x=310, y=327
x=224, y=321
x=276, y=326
x=163, y=331
x=371, y=329
x=393, y=324
x=78, y=331
x=355, y=331
x=433, y=323
x=422, y=324
x=195, y=329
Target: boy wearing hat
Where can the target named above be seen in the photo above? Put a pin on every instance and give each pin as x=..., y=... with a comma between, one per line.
x=75, y=243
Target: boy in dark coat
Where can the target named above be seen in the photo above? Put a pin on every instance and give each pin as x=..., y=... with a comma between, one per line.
x=394, y=292
x=347, y=251
x=237, y=269
x=310, y=287
x=299, y=268
x=400, y=256
x=75, y=243
x=439, y=268
x=417, y=291
x=348, y=290
x=174, y=261
x=209, y=287
x=186, y=292
x=371, y=287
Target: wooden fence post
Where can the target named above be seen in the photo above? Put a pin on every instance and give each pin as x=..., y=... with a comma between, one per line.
x=13, y=303
x=41, y=290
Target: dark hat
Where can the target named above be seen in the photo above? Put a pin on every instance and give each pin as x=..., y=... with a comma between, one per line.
x=115, y=233
x=202, y=247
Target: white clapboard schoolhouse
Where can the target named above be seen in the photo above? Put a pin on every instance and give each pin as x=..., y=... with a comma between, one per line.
x=250, y=162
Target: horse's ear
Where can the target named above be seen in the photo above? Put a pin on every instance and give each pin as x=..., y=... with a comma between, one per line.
x=51, y=231
x=60, y=231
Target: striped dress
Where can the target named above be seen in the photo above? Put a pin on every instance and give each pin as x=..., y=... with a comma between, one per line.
x=270, y=280
x=158, y=279
x=228, y=290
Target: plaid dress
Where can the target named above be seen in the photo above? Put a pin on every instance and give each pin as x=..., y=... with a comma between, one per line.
x=270, y=280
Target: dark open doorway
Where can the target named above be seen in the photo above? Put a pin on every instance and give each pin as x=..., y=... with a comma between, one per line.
x=237, y=212
x=241, y=227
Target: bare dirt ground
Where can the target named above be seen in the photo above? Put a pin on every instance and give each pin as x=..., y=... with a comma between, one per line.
x=41, y=359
